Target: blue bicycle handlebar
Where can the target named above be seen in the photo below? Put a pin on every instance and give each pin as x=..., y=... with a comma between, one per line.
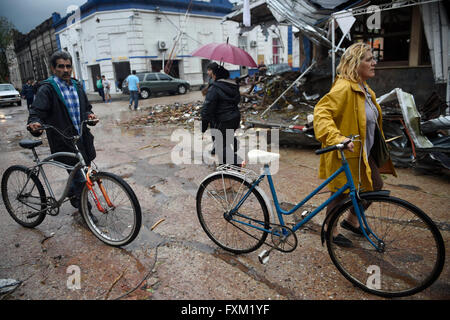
x=339, y=146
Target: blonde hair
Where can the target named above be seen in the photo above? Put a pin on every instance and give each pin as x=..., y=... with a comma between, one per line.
x=350, y=61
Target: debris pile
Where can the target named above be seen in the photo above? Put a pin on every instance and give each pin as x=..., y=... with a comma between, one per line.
x=412, y=141
x=176, y=113
x=292, y=109
x=292, y=114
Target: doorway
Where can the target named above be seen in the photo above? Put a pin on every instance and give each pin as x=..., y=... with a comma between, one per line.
x=122, y=71
x=171, y=67
x=95, y=71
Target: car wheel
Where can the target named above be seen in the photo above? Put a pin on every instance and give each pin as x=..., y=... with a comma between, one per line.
x=145, y=93
x=19, y=103
x=182, y=89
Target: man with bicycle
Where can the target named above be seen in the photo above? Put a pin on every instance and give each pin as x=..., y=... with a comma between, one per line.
x=62, y=103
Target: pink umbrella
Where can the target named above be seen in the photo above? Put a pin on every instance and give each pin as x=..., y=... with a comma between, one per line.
x=225, y=52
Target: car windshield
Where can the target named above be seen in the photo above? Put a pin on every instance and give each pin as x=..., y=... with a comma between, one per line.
x=6, y=87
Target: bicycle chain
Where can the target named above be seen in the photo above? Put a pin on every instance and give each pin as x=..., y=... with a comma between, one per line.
x=271, y=226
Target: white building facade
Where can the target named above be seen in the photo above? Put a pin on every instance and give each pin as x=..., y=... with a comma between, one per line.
x=112, y=38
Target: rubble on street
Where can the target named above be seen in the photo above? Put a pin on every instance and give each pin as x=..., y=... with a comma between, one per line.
x=292, y=114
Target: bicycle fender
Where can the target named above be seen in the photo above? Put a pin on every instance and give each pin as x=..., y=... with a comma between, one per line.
x=362, y=195
x=257, y=188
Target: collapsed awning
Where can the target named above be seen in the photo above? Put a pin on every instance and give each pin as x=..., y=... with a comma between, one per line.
x=304, y=15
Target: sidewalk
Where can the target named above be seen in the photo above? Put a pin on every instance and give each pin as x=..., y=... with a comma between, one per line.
x=116, y=96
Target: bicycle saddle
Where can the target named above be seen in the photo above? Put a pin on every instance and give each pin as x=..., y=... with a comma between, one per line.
x=29, y=144
x=263, y=157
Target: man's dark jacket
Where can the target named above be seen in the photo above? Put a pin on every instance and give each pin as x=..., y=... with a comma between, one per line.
x=221, y=103
x=27, y=91
x=49, y=107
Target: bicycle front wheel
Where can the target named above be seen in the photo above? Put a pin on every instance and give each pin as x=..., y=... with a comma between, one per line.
x=411, y=255
x=24, y=196
x=111, y=209
x=238, y=233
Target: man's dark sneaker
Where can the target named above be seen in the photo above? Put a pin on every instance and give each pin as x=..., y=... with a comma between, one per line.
x=94, y=219
x=75, y=202
x=342, y=241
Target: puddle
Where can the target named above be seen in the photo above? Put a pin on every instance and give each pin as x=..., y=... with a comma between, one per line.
x=3, y=118
x=134, y=132
x=152, y=174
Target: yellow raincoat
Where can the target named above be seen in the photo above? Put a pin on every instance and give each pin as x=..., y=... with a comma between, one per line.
x=340, y=113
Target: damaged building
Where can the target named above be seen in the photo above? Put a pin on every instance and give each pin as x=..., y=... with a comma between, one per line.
x=410, y=40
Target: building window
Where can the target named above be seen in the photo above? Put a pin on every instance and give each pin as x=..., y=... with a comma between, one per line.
x=276, y=50
x=390, y=43
x=242, y=42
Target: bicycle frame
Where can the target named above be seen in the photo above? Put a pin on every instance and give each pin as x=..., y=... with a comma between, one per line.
x=50, y=160
x=280, y=212
x=79, y=166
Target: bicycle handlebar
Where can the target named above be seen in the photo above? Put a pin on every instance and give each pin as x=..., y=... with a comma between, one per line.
x=339, y=146
x=89, y=122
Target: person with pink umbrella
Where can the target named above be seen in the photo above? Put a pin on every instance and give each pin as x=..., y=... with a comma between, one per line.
x=220, y=111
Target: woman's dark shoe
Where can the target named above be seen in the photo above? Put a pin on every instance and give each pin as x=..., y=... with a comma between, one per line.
x=348, y=226
x=342, y=241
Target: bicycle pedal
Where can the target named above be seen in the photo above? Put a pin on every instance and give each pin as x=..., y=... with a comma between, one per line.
x=32, y=215
x=264, y=256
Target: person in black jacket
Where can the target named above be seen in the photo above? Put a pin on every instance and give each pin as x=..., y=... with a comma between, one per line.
x=220, y=111
x=61, y=102
x=28, y=93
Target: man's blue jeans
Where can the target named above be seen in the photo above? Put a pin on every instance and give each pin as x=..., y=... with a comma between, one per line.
x=134, y=96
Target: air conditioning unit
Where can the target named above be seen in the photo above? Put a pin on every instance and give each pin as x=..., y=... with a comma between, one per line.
x=162, y=45
x=253, y=44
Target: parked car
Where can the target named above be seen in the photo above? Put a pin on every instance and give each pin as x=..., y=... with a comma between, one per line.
x=275, y=69
x=156, y=82
x=9, y=95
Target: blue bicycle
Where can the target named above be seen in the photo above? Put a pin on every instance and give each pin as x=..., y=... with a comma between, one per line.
x=398, y=251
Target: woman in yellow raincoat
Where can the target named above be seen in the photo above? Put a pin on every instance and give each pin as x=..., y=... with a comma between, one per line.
x=350, y=108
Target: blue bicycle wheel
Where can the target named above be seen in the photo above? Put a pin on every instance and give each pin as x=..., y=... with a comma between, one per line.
x=410, y=250
x=239, y=232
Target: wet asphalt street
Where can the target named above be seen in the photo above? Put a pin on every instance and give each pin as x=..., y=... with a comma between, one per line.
x=177, y=260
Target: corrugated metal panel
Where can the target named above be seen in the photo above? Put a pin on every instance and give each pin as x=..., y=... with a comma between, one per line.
x=436, y=27
x=302, y=15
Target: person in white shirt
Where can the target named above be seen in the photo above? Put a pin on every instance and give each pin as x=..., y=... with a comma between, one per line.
x=106, y=88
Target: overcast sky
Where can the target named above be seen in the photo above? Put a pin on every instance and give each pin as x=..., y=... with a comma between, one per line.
x=28, y=14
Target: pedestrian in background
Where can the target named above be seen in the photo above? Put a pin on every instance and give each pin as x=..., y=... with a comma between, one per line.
x=101, y=92
x=133, y=88
x=209, y=70
x=106, y=88
x=28, y=93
